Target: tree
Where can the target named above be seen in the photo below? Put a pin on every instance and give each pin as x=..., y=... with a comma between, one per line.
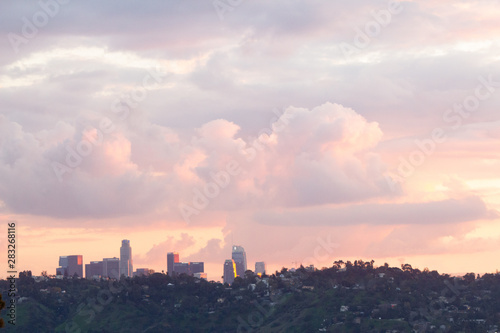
x=25, y=274
x=249, y=277
x=469, y=277
x=406, y=268
x=338, y=264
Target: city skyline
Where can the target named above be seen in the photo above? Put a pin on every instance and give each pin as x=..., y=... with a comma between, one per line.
x=306, y=131
x=114, y=268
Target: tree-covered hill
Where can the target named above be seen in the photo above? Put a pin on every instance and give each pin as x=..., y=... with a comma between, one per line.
x=348, y=297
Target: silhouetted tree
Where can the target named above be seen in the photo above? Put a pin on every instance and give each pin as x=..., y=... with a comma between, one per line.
x=338, y=264
x=407, y=268
x=469, y=277
x=25, y=274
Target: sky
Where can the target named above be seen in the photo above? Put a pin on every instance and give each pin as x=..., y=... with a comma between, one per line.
x=304, y=131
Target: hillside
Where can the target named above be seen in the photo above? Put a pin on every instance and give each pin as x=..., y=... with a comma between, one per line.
x=348, y=297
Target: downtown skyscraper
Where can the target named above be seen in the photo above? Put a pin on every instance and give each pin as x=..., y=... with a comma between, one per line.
x=239, y=257
x=70, y=265
x=172, y=259
x=260, y=268
x=229, y=271
x=126, y=267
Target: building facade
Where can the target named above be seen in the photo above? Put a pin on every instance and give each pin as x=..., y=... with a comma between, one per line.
x=70, y=265
x=229, y=271
x=240, y=259
x=181, y=268
x=175, y=267
x=260, y=268
x=172, y=258
x=126, y=267
x=111, y=268
x=94, y=270
x=196, y=267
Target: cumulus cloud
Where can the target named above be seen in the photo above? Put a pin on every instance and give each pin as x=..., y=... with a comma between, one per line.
x=345, y=120
x=307, y=157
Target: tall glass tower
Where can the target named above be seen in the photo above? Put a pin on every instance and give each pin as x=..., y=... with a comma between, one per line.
x=229, y=271
x=240, y=259
x=126, y=267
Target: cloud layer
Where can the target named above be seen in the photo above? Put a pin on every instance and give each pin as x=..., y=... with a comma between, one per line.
x=254, y=122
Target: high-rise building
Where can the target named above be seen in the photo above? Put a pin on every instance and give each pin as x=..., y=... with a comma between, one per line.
x=126, y=267
x=94, y=270
x=70, y=265
x=229, y=271
x=75, y=265
x=260, y=268
x=181, y=268
x=196, y=267
x=175, y=267
x=111, y=268
x=172, y=258
x=63, y=261
x=240, y=258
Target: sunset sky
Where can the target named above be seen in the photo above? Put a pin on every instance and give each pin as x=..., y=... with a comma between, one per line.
x=304, y=131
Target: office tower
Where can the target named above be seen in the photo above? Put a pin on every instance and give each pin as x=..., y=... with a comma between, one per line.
x=229, y=271
x=196, y=267
x=63, y=261
x=94, y=270
x=126, y=267
x=175, y=267
x=111, y=268
x=181, y=268
x=260, y=268
x=240, y=258
x=70, y=265
x=63, y=266
x=172, y=258
x=75, y=265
